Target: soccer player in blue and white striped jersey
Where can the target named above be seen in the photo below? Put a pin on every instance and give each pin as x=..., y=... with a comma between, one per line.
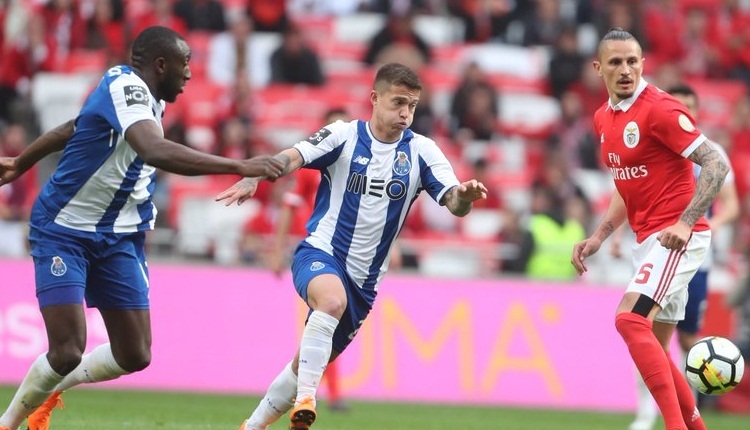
x=372, y=171
x=87, y=227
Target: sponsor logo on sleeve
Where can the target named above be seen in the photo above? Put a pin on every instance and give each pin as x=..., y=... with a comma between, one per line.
x=136, y=95
x=319, y=136
x=685, y=123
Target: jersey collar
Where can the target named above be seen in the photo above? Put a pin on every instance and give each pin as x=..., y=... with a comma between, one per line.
x=625, y=104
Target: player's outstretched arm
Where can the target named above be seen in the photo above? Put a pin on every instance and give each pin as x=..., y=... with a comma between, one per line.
x=289, y=159
x=459, y=199
x=145, y=138
x=49, y=142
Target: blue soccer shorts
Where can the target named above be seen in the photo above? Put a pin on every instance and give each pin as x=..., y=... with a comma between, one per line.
x=107, y=269
x=310, y=262
x=697, y=301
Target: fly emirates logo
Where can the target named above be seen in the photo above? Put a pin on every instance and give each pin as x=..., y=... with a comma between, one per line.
x=624, y=173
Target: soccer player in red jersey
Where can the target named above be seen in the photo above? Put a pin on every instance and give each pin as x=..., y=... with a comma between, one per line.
x=648, y=141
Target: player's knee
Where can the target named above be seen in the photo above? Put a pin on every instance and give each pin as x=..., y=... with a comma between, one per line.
x=64, y=359
x=332, y=305
x=629, y=323
x=134, y=360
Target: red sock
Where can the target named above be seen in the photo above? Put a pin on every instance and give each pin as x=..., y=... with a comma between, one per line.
x=652, y=363
x=332, y=379
x=686, y=398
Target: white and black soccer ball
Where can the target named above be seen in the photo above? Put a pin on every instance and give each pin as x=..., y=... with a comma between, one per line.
x=714, y=365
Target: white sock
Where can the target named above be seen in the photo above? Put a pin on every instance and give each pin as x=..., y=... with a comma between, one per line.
x=38, y=384
x=97, y=366
x=278, y=399
x=314, y=353
x=646, y=413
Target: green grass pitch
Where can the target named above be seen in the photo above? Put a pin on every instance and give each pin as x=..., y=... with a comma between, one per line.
x=106, y=409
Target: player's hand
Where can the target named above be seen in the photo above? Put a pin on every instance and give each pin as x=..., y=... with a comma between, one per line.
x=264, y=166
x=583, y=250
x=471, y=191
x=675, y=236
x=9, y=170
x=239, y=192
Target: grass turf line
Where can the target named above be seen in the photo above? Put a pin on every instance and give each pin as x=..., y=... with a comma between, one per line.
x=107, y=409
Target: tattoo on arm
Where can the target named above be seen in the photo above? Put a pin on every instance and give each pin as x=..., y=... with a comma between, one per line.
x=713, y=171
x=607, y=229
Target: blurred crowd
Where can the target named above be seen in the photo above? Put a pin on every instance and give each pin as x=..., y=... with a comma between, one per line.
x=265, y=72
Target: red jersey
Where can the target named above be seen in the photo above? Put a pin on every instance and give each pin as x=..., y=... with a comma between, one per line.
x=645, y=142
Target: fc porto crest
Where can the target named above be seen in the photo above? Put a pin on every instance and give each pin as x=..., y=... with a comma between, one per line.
x=58, y=267
x=631, y=135
x=401, y=165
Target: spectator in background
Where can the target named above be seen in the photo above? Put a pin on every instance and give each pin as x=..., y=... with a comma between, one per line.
x=268, y=15
x=667, y=75
x=106, y=30
x=739, y=156
x=517, y=242
x=425, y=121
x=625, y=14
x=303, y=8
x=730, y=33
x=294, y=62
x=483, y=21
x=555, y=226
x=556, y=175
x=62, y=21
x=701, y=59
x=158, y=12
x=402, y=6
x=201, y=15
x=573, y=136
x=32, y=52
x=566, y=62
x=16, y=198
x=398, y=42
x=229, y=51
x=590, y=90
x=664, y=26
x=540, y=26
x=474, y=107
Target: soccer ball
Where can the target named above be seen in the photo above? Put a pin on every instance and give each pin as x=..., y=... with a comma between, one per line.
x=714, y=365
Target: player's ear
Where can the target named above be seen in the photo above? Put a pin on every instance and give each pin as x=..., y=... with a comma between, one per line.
x=597, y=66
x=374, y=97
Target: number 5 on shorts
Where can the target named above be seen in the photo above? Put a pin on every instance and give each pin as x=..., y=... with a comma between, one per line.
x=644, y=273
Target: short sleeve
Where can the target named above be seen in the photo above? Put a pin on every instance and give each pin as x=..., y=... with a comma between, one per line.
x=317, y=149
x=674, y=127
x=436, y=173
x=131, y=100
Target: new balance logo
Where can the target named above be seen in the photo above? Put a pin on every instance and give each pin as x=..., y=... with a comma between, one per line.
x=361, y=160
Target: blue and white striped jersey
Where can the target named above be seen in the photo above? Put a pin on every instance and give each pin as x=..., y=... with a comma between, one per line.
x=100, y=184
x=366, y=191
